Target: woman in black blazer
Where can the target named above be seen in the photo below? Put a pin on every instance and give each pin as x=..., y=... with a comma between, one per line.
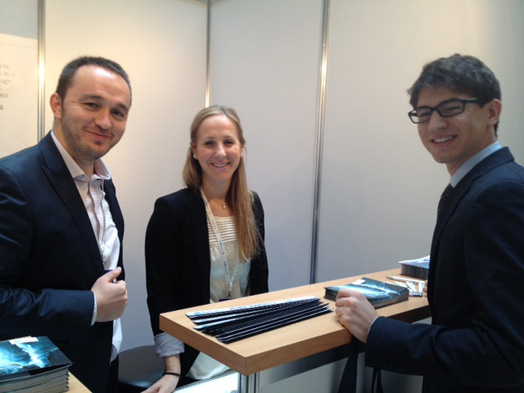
x=204, y=243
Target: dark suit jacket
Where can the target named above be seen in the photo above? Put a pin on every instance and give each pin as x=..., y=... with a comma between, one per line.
x=475, y=291
x=49, y=260
x=178, y=261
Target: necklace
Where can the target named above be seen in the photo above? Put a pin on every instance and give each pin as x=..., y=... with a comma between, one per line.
x=229, y=278
x=218, y=201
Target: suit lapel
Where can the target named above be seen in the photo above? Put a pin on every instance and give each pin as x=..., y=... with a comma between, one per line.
x=201, y=236
x=118, y=218
x=500, y=157
x=116, y=213
x=64, y=185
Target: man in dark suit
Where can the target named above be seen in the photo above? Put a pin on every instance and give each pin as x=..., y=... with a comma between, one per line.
x=61, y=227
x=475, y=342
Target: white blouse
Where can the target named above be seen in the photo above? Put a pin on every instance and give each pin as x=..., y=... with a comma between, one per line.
x=205, y=366
x=238, y=270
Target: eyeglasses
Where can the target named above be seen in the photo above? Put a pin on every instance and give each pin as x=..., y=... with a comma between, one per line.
x=447, y=108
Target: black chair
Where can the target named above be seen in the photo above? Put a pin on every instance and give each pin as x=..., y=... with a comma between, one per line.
x=139, y=368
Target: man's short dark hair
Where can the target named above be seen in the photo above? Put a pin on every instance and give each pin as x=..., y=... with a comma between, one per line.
x=66, y=77
x=463, y=74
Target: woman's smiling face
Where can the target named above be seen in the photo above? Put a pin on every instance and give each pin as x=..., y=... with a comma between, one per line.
x=218, y=150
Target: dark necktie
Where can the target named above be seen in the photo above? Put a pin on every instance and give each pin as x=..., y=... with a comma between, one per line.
x=443, y=199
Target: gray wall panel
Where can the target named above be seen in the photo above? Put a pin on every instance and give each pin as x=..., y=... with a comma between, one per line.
x=265, y=59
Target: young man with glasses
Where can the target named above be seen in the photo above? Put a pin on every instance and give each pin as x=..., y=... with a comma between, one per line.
x=476, y=282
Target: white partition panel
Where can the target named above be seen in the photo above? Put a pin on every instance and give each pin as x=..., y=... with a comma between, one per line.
x=264, y=62
x=380, y=187
x=162, y=46
x=19, y=18
x=18, y=75
x=501, y=44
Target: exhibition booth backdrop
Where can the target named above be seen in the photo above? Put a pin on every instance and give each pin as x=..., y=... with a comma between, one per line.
x=320, y=87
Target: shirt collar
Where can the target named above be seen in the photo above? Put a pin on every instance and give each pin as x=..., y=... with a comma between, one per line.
x=470, y=164
x=101, y=170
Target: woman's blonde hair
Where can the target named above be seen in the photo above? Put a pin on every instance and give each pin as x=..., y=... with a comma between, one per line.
x=238, y=197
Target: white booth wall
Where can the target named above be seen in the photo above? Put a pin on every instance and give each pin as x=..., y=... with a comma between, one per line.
x=264, y=61
x=18, y=74
x=378, y=186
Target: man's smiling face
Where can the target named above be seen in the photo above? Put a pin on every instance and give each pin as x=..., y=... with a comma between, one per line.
x=454, y=140
x=92, y=117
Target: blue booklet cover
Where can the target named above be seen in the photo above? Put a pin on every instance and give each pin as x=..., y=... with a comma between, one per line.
x=28, y=362
x=378, y=293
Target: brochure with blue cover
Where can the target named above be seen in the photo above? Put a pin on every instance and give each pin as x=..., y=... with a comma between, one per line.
x=378, y=293
x=32, y=364
x=417, y=268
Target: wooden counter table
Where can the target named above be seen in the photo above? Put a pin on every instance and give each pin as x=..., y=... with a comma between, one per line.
x=75, y=386
x=288, y=343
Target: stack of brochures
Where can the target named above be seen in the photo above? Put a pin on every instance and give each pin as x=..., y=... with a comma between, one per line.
x=33, y=365
x=378, y=293
x=235, y=323
x=417, y=268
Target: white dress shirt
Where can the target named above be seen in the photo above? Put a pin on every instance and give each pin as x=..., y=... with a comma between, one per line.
x=92, y=192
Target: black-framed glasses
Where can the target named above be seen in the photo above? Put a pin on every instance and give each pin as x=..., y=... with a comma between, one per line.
x=447, y=108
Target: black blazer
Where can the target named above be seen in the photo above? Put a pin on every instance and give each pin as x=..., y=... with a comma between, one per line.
x=49, y=260
x=178, y=259
x=475, y=291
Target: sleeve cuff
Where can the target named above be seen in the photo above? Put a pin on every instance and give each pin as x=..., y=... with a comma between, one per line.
x=167, y=345
x=93, y=319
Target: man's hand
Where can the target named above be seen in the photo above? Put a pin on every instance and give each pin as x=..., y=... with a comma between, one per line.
x=355, y=313
x=111, y=296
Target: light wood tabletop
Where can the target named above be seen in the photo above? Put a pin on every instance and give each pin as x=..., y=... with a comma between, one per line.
x=288, y=343
x=75, y=386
